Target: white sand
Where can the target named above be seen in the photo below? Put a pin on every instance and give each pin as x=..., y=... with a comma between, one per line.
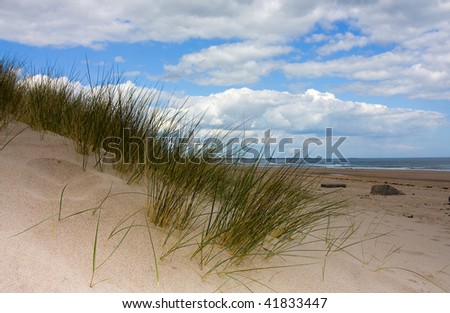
x=413, y=256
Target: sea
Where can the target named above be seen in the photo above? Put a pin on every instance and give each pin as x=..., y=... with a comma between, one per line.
x=435, y=163
x=438, y=164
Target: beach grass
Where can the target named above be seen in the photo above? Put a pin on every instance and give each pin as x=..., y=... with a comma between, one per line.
x=10, y=91
x=227, y=212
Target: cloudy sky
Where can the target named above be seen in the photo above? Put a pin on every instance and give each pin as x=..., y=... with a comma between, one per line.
x=376, y=71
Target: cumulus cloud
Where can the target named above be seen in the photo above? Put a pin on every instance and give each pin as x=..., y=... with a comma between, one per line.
x=124, y=88
x=377, y=67
x=342, y=42
x=414, y=38
x=294, y=115
x=92, y=23
x=316, y=38
x=289, y=113
x=310, y=113
x=416, y=63
x=67, y=23
x=227, y=64
x=400, y=20
x=413, y=73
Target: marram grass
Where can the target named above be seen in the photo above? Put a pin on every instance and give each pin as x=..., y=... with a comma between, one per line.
x=225, y=213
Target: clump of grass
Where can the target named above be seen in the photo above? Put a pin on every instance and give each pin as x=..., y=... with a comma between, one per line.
x=10, y=91
x=202, y=201
x=263, y=211
x=87, y=115
x=181, y=188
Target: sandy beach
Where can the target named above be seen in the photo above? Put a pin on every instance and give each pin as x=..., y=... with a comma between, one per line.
x=399, y=244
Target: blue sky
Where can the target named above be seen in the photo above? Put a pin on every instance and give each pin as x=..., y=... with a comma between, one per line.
x=377, y=72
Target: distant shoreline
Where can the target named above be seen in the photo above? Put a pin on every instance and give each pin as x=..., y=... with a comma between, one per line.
x=395, y=164
x=382, y=168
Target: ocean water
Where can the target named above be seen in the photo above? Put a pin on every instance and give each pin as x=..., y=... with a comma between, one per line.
x=442, y=164
x=439, y=164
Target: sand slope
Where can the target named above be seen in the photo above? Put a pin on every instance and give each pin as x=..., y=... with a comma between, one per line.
x=56, y=256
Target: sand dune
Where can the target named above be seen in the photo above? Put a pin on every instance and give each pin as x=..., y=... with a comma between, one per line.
x=413, y=255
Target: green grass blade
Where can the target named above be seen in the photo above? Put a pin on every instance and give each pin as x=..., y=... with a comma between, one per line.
x=94, y=252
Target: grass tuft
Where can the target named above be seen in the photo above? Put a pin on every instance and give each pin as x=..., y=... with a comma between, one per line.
x=225, y=212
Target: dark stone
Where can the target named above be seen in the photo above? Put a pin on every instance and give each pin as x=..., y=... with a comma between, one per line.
x=385, y=190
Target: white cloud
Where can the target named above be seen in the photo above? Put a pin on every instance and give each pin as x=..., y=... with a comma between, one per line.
x=125, y=88
x=401, y=20
x=370, y=127
x=380, y=66
x=93, y=23
x=343, y=42
x=119, y=59
x=228, y=64
x=416, y=35
x=68, y=23
x=310, y=112
x=414, y=73
x=314, y=38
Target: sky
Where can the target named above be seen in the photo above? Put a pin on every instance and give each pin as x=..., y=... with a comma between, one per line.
x=375, y=71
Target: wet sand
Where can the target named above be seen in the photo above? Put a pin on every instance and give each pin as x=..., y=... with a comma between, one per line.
x=405, y=177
